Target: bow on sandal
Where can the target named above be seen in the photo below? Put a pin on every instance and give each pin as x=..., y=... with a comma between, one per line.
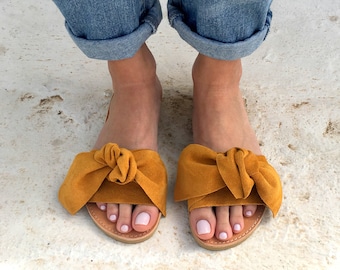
x=206, y=178
x=115, y=175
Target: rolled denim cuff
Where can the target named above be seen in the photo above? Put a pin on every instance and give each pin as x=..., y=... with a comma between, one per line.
x=217, y=49
x=116, y=48
x=122, y=47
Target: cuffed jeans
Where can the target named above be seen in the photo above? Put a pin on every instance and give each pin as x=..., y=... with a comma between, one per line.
x=116, y=29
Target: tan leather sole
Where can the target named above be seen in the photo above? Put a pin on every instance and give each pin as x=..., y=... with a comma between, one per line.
x=133, y=237
x=250, y=225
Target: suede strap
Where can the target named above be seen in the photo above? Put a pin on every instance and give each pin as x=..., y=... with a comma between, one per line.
x=237, y=177
x=115, y=175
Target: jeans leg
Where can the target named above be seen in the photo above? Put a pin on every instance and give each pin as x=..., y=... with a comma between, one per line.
x=110, y=29
x=222, y=29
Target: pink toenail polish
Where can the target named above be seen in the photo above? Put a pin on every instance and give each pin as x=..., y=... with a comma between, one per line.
x=223, y=236
x=203, y=227
x=103, y=207
x=142, y=219
x=113, y=217
x=249, y=214
x=237, y=227
x=124, y=228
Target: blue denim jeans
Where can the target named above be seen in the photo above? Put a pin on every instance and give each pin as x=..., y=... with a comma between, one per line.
x=116, y=29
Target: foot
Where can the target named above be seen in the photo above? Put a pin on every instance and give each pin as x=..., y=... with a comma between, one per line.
x=220, y=122
x=132, y=123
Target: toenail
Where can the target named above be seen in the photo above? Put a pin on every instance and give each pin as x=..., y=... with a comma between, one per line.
x=223, y=236
x=249, y=213
x=237, y=227
x=142, y=219
x=102, y=207
x=203, y=227
x=113, y=217
x=124, y=228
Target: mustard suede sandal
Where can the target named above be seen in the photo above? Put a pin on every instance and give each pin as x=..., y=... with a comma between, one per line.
x=206, y=178
x=115, y=175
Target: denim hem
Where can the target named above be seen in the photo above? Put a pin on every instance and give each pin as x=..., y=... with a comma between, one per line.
x=115, y=48
x=216, y=49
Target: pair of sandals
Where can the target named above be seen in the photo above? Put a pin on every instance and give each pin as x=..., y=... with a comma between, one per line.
x=205, y=178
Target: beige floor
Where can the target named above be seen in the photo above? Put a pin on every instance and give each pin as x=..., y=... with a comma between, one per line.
x=53, y=103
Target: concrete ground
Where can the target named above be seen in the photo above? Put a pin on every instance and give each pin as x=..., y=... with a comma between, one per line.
x=54, y=101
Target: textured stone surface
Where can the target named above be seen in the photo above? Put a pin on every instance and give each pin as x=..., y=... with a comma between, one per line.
x=53, y=103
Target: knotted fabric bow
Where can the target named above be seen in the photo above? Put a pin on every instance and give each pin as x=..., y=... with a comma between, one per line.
x=237, y=177
x=115, y=175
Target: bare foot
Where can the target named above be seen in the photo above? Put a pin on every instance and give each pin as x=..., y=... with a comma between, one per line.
x=132, y=123
x=220, y=122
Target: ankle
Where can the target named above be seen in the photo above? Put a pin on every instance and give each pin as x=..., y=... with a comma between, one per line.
x=215, y=73
x=140, y=69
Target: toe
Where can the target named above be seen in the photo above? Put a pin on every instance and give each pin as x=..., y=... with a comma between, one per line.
x=236, y=218
x=223, y=228
x=112, y=212
x=203, y=222
x=101, y=206
x=249, y=210
x=144, y=217
x=124, y=218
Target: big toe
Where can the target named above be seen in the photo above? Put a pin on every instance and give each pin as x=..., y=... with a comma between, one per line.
x=144, y=217
x=203, y=222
